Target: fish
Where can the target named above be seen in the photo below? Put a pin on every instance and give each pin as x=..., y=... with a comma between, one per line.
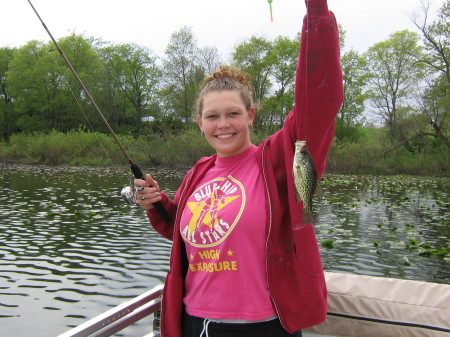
x=305, y=179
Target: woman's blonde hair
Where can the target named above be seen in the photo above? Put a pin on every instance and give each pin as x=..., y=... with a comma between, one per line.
x=226, y=78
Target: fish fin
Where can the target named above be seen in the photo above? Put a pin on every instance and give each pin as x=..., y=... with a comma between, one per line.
x=318, y=192
x=297, y=196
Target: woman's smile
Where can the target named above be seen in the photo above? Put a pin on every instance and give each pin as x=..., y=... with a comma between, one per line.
x=225, y=136
x=225, y=122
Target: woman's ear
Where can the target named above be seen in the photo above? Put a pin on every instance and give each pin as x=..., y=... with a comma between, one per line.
x=251, y=115
x=199, y=122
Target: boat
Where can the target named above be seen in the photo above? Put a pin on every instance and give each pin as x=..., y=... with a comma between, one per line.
x=370, y=306
x=122, y=316
x=358, y=306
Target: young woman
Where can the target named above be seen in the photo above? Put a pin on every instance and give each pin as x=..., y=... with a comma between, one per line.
x=243, y=263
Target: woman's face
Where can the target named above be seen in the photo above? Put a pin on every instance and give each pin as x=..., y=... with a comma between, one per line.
x=225, y=122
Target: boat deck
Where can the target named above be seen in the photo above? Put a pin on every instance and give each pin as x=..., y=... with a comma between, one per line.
x=118, y=318
x=358, y=306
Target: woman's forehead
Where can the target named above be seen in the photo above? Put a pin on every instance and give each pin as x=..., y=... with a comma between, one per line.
x=222, y=99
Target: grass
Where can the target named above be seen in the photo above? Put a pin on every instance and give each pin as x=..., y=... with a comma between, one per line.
x=372, y=155
x=80, y=148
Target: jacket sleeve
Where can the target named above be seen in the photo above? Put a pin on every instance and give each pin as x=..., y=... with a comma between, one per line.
x=319, y=87
x=162, y=227
x=166, y=229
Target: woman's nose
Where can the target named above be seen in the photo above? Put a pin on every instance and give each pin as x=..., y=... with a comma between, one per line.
x=223, y=122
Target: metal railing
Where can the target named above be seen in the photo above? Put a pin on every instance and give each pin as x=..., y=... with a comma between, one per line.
x=122, y=316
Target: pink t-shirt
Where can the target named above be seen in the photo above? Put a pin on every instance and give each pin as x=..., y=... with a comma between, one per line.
x=223, y=226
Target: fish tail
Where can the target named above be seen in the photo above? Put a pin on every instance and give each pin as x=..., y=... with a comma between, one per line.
x=308, y=217
x=318, y=192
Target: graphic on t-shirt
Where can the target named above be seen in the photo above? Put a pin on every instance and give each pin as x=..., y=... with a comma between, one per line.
x=215, y=208
x=210, y=261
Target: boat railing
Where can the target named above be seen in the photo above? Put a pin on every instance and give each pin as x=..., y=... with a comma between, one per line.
x=122, y=316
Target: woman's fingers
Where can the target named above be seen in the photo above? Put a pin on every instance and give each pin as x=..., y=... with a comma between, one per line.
x=148, y=197
x=151, y=182
x=147, y=191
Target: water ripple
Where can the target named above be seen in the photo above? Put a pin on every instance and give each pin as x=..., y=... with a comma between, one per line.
x=70, y=248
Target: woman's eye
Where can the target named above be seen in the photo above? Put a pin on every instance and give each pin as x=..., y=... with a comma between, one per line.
x=211, y=116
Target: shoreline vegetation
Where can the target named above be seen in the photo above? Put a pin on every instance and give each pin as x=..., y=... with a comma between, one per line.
x=369, y=155
x=394, y=119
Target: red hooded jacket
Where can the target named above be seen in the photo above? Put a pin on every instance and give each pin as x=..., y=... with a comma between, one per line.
x=293, y=266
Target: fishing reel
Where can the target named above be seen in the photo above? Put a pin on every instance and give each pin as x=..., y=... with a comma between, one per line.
x=129, y=195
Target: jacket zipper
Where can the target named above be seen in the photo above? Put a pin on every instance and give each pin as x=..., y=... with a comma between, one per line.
x=174, y=233
x=263, y=152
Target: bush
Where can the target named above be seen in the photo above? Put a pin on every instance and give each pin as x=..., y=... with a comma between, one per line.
x=55, y=148
x=182, y=149
x=370, y=155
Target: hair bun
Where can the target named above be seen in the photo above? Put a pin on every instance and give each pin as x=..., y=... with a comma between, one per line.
x=226, y=78
x=232, y=73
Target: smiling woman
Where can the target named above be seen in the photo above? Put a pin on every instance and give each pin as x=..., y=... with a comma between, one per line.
x=225, y=111
x=250, y=213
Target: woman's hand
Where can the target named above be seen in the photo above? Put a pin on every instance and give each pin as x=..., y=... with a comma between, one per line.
x=317, y=7
x=147, y=191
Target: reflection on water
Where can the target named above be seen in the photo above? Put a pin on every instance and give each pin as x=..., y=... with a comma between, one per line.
x=70, y=248
x=386, y=226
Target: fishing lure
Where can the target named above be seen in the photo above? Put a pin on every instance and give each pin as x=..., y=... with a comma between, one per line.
x=270, y=6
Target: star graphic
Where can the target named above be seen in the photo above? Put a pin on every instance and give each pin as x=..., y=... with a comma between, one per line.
x=199, y=208
x=230, y=252
x=192, y=256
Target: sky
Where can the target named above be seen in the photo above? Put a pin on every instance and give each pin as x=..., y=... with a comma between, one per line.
x=223, y=24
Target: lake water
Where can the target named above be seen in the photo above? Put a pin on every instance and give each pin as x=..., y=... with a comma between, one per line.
x=70, y=248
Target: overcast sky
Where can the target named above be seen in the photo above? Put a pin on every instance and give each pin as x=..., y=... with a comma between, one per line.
x=217, y=23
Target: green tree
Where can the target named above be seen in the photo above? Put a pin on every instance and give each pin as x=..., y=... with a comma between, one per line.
x=137, y=75
x=114, y=103
x=83, y=54
x=33, y=84
x=435, y=100
x=7, y=120
x=254, y=57
x=393, y=74
x=283, y=57
x=285, y=54
x=183, y=74
x=45, y=92
x=436, y=108
x=354, y=77
x=210, y=59
x=436, y=39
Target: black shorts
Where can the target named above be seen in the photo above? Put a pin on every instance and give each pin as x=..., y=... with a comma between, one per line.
x=194, y=326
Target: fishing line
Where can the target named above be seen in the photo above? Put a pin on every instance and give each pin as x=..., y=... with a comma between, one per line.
x=134, y=167
x=306, y=73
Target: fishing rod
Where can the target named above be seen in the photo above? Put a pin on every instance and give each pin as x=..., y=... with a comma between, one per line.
x=134, y=167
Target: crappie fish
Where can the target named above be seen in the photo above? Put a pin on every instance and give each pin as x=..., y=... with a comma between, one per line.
x=305, y=179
